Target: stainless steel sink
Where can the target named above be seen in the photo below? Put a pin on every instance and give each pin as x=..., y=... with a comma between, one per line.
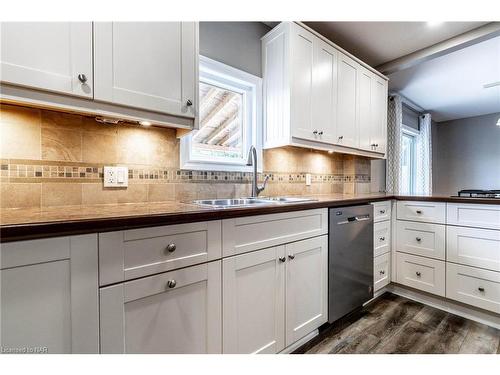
x=290, y=199
x=229, y=203
x=249, y=202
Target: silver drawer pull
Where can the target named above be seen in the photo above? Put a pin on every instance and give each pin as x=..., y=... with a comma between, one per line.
x=418, y=274
x=282, y=259
x=481, y=289
x=382, y=212
x=382, y=272
x=418, y=239
x=419, y=211
x=291, y=256
x=382, y=238
x=171, y=247
x=171, y=283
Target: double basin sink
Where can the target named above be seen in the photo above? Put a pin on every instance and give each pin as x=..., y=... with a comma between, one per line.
x=249, y=202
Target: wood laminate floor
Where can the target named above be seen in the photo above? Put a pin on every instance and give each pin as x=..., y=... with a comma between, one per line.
x=394, y=324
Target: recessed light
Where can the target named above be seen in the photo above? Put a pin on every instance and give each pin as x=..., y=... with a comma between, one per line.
x=330, y=151
x=145, y=123
x=434, y=23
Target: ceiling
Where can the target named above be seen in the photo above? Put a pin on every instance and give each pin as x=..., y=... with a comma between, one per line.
x=379, y=42
x=451, y=86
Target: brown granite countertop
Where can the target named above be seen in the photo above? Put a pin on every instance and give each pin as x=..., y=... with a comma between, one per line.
x=22, y=224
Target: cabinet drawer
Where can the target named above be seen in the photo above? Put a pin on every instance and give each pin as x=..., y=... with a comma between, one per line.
x=474, y=286
x=423, y=239
x=381, y=211
x=176, y=312
x=430, y=212
x=421, y=273
x=381, y=271
x=130, y=254
x=245, y=234
x=473, y=247
x=381, y=237
x=474, y=215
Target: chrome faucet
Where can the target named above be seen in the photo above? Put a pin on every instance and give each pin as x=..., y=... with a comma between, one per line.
x=252, y=160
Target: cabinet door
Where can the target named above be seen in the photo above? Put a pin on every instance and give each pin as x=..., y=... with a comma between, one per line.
x=173, y=312
x=347, y=77
x=254, y=299
x=324, y=99
x=306, y=287
x=301, y=82
x=365, y=109
x=378, y=135
x=147, y=65
x=48, y=56
x=49, y=295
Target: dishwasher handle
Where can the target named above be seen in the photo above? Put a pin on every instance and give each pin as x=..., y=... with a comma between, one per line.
x=354, y=219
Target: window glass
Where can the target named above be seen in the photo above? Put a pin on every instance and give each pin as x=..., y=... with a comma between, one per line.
x=221, y=124
x=408, y=163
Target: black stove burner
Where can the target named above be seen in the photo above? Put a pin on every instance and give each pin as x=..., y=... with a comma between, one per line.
x=472, y=193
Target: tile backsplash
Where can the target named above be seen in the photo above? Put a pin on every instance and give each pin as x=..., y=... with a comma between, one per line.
x=50, y=158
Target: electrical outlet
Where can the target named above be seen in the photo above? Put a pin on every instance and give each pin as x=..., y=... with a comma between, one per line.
x=115, y=176
x=308, y=179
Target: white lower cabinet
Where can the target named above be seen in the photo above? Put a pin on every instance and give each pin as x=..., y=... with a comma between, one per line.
x=306, y=287
x=254, y=302
x=275, y=296
x=49, y=296
x=172, y=312
x=381, y=271
x=421, y=273
x=473, y=286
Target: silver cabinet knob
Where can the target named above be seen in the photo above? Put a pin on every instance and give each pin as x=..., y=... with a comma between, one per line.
x=341, y=137
x=171, y=247
x=418, y=274
x=315, y=132
x=382, y=272
x=481, y=289
x=189, y=103
x=320, y=132
x=282, y=259
x=418, y=239
x=171, y=283
x=382, y=212
x=291, y=257
x=82, y=78
x=382, y=238
x=419, y=211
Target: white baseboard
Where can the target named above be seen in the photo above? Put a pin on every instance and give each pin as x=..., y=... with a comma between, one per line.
x=301, y=342
x=477, y=315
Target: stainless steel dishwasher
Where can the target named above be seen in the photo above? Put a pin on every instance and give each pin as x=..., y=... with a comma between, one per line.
x=350, y=259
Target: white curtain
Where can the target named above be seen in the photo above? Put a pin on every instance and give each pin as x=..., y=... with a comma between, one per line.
x=424, y=157
x=394, y=125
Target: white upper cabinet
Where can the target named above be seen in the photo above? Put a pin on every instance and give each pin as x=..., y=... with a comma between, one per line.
x=147, y=65
x=317, y=96
x=378, y=134
x=372, y=111
x=301, y=88
x=52, y=56
x=347, y=127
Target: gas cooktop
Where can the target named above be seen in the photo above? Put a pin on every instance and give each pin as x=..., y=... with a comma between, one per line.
x=471, y=193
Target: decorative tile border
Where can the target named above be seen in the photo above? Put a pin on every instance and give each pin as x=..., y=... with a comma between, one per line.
x=35, y=171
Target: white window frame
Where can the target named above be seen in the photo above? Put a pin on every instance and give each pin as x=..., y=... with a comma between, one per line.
x=413, y=133
x=225, y=76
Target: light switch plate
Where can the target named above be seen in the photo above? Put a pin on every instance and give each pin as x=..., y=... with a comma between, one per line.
x=308, y=179
x=115, y=176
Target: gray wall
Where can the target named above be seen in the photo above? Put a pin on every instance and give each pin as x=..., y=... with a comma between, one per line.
x=466, y=154
x=234, y=43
